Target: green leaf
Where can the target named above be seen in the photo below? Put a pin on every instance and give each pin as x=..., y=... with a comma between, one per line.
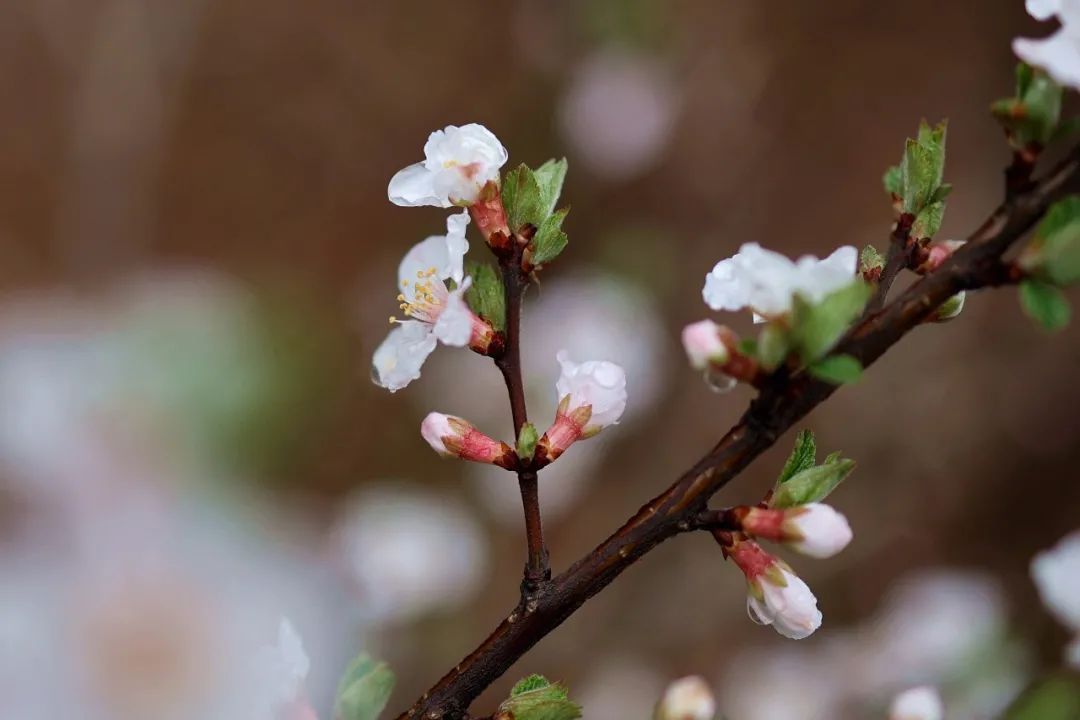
x=550, y=177
x=1024, y=74
x=837, y=369
x=522, y=198
x=526, y=441
x=870, y=259
x=893, y=181
x=1045, y=304
x=773, y=346
x=1057, y=698
x=802, y=457
x=486, y=296
x=535, y=698
x=364, y=690
x=549, y=240
x=1054, y=253
x=928, y=221
x=817, y=327
x=1032, y=118
x=812, y=485
x=748, y=346
x=922, y=167
x=943, y=191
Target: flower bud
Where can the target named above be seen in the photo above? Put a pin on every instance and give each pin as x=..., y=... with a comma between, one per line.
x=592, y=395
x=688, y=698
x=816, y=529
x=704, y=344
x=950, y=308
x=775, y=595
x=453, y=437
x=921, y=703
x=938, y=253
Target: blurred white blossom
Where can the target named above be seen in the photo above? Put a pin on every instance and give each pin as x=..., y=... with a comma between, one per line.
x=1059, y=53
x=1057, y=575
x=920, y=703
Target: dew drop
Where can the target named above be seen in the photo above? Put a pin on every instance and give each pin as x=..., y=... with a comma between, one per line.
x=718, y=382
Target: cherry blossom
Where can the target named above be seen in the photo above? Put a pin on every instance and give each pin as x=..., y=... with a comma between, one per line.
x=816, y=529
x=687, y=698
x=776, y=595
x=458, y=162
x=592, y=395
x=1059, y=53
x=1057, y=574
x=453, y=437
x=920, y=703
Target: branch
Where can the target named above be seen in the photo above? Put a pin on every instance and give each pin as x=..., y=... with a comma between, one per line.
x=783, y=401
x=515, y=281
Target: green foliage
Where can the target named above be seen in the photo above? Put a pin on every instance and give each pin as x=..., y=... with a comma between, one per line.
x=773, y=346
x=526, y=441
x=812, y=484
x=536, y=698
x=837, y=369
x=893, y=181
x=364, y=690
x=1045, y=304
x=817, y=327
x=522, y=198
x=1057, y=698
x=550, y=177
x=1054, y=254
x=1032, y=117
x=802, y=457
x=917, y=181
x=550, y=240
x=870, y=259
x=486, y=296
x=928, y=221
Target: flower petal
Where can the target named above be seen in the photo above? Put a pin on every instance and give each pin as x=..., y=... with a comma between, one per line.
x=1058, y=55
x=429, y=258
x=456, y=244
x=414, y=186
x=397, y=361
x=454, y=326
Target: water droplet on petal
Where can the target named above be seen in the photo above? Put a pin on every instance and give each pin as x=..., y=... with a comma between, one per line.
x=755, y=614
x=718, y=382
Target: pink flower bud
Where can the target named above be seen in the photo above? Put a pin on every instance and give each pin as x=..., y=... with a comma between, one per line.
x=921, y=703
x=816, y=529
x=704, y=344
x=938, y=253
x=592, y=395
x=688, y=698
x=775, y=595
x=453, y=437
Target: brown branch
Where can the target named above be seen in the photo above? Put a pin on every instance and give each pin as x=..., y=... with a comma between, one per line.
x=782, y=402
x=515, y=282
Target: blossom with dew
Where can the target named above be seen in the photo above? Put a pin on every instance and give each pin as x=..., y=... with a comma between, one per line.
x=453, y=437
x=458, y=162
x=775, y=594
x=436, y=313
x=592, y=395
x=919, y=703
x=1057, y=575
x=816, y=529
x=1058, y=54
x=687, y=698
x=704, y=344
x=766, y=281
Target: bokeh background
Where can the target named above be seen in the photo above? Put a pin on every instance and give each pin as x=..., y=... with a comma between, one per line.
x=197, y=260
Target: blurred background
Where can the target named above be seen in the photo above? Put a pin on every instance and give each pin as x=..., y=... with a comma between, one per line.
x=197, y=260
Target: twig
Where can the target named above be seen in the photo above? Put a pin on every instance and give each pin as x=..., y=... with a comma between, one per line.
x=783, y=401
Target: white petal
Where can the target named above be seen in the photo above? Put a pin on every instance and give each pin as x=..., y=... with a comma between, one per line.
x=434, y=428
x=758, y=611
x=456, y=244
x=462, y=160
x=1043, y=9
x=723, y=289
x=825, y=531
x=597, y=383
x=397, y=361
x=1058, y=55
x=793, y=608
x=1057, y=574
x=414, y=186
x=432, y=254
x=921, y=703
x=454, y=326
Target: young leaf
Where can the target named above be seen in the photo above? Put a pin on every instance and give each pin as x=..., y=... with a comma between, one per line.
x=1054, y=254
x=772, y=346
x=535, y=698
x=522, y=198
x=870, y=259
x=817, y=327
x=486, y=296
x=549, y=240
x=526, y=442
x=364, y=690
x=812, y=485
x=928, y=221
x=893, y=181
x=1045, y=304
x=550, y=177
x=802, y=457
x=837, y=369
x=922, y=167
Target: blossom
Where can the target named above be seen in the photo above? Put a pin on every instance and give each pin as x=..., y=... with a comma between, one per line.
x=453, y=437
x=437, y=313
x=920, y=703
x=1057, y=575
x=688, y=698
x=766, y=282
x=592, y=395
x=704, y=345
x=282, y=669
x=776, y=595
x=458, y=163
x=1058, y=54
x=815, y=529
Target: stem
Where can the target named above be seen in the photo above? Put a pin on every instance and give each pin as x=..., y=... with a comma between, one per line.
x=784, y=400
x=537, y=570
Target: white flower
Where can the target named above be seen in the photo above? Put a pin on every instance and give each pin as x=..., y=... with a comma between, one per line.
x=823, y=530
x=703, y=344
x=1057, y=575
x=921, y=703
x=437, y=313
x=283, y=667
x=458, y=163
x=688, y=698
x=598, y=384
x=766, y=282
x=1058, y=54
x=775, y=595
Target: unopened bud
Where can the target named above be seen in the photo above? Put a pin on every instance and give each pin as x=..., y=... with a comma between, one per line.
x=704, y=345
x=592, y=395
x=815, y=529
x=688, y=698
x=938, y=253
x=921, y=703
x=453, y=437
x=775, y=594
